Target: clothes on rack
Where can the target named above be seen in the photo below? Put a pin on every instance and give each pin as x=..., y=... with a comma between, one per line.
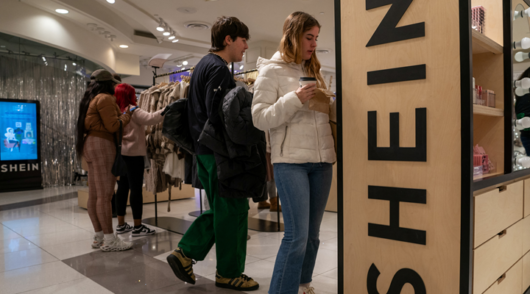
x=167, y=160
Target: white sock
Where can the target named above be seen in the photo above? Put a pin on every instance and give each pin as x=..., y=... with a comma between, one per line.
x=109, y=237
x=99, y=235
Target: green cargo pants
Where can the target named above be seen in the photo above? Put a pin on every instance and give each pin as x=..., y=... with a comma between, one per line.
x=225, y=225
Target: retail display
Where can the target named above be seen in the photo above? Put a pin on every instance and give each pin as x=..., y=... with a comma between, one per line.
x=167, y=160
x=58, y=92
x=478, y=18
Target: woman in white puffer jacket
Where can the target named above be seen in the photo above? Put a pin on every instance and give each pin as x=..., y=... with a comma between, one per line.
x=302, y=149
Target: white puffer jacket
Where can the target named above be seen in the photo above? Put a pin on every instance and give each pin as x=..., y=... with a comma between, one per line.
x=298, y=135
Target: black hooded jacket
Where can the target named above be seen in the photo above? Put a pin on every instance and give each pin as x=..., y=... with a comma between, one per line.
x=239, y=148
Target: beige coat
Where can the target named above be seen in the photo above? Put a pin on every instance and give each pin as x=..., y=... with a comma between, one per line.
x=297, y=134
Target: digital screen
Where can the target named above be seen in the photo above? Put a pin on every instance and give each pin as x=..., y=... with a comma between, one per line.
x=18, y=130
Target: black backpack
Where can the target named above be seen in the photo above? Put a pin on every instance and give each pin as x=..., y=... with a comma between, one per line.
x=176, y=125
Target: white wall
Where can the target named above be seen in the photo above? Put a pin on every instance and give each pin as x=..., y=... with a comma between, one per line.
x=27, y=22
x=127, y=64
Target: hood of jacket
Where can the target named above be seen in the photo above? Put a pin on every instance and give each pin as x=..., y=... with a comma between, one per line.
x=276, y=59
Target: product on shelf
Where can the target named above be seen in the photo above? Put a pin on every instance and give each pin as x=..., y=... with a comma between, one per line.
x=477, y=165
x=487, y=165
x=490, y=100
x=478, y=16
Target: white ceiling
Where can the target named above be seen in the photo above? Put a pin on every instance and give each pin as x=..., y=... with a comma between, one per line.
x=264, y=19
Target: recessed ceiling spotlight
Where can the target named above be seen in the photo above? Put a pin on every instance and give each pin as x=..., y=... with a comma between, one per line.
x=61, y=11
x=111, y=1
x=185, y=63
x=175, y=41
x=124, y=46
x=74, y=64
x=171, y=37
x=166, y=33
x=242, y=67
x=183, y=68
x=179, y=65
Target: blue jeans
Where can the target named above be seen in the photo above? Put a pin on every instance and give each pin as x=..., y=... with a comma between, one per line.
x=303, y=190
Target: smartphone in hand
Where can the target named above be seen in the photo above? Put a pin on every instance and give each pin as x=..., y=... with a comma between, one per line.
x=131, y=110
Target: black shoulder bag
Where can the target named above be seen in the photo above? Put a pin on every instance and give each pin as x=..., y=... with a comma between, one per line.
x=119, y=168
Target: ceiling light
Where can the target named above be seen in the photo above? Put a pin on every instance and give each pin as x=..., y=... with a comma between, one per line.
x=160, y=26
x=175, y=41
x=242, y=67
x=61, y=11
x=124, y=46
x=179, y=65
x=65, y=67
x=166, y=33
x=74, y=64
x=171, y=37
x=183, y=68
x=230, y=66
x=111, y=1
x=43, y=58
x=185, y=63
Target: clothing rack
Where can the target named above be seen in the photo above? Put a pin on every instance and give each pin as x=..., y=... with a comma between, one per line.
x=155, y=76
x=171, y=224
x=245, y=72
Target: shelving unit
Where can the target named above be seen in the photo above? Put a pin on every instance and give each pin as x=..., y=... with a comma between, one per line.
x=488, y=71
x=482, y=44
x=487, y=175
x=487, y=111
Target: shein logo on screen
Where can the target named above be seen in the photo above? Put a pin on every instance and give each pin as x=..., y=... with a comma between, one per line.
x=21, y=167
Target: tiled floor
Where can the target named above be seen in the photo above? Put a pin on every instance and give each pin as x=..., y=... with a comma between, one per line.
x=45, y=248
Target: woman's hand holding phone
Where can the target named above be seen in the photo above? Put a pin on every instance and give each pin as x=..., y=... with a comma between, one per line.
x=130, y=110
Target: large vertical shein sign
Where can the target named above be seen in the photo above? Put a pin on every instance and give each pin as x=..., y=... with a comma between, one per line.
x=20, y=162
x=389, y=32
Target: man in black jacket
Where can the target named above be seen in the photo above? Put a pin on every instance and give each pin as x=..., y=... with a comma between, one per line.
x=226, y=223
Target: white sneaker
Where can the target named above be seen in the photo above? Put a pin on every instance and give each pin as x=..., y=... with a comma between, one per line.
x=308, y=290
x=115, y=245
x=97, y=242
x=123, y=229
x=142, y=231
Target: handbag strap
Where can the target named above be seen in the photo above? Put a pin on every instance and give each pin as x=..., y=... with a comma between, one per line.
x=118, y=140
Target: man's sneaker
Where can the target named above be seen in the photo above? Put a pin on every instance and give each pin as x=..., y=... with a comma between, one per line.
x=242, y=283
x=97, y=242
x=308, y=290
x=142, y=231
x=182, y=266
x=115, y=245
x=123, y=229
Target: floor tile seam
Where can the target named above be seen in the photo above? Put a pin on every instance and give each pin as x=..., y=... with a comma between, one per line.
x=327, y=271
x=16, y=205
x=81, y=278
x=13, y=232
x=3, y=272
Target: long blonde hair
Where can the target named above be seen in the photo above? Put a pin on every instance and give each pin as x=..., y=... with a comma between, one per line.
x=294, y=28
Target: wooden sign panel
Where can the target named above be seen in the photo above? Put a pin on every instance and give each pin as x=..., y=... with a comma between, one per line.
x=401, y=142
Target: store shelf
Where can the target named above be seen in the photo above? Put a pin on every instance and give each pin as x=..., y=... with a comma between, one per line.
x=488, y=175
x=487, y=111
x=483, y=44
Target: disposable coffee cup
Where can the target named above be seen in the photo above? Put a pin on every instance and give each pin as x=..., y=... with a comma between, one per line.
x=306, y=81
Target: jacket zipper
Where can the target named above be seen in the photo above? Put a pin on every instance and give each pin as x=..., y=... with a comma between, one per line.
x=285, y=137
x=318, y=140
